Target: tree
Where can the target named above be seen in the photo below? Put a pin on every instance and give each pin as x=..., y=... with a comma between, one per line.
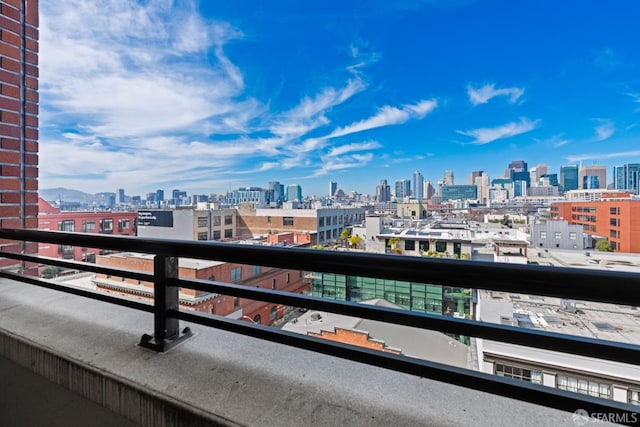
x=355, y=240
x=345, y=234
x=603, y=246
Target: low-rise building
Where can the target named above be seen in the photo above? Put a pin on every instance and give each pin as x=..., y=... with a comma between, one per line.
x=103, y=222
x=208, y=302
x=559, y=235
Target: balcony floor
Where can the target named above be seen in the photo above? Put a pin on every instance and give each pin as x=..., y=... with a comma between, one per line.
x=217, y=377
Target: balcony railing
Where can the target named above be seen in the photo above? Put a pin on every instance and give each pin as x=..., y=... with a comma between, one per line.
x=601, y=286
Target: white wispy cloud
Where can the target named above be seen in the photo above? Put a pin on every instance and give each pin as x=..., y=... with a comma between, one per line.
x=602, y=156
x=137, y=89
x=483, y=94
x=387, y=116
x=605, y=130
x=557, y=140
x=487, y=135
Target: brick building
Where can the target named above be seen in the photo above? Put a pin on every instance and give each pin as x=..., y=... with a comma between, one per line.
x=617, y=220
x=323, y=224
x=18, y=119
x=222, y=305
x=104, y=222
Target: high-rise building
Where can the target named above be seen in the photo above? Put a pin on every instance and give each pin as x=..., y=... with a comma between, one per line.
x=383, y=191
x=473, y=175
x=159, y=195
x=294, y=193
x=19, y=117
x=333, y=187
x=537, y=172
x=515, y=166
x=120, y=196
x=448, y=178
x=590, y=177
x=403, y=188
x=429, y=190
x=627, y=177
x=418, y=180
x=569, y=178
x=276, y=194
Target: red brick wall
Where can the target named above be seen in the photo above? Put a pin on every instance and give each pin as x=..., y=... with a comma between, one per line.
x=627, y=220
x=358, y=338
x=223, y=305
x=18, y=116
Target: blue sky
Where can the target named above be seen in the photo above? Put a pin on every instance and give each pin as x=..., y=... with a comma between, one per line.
x=209, y=96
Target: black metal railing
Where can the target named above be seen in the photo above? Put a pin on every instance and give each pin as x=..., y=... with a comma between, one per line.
x=591, y=285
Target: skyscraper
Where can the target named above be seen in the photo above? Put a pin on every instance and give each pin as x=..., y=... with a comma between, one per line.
x=294, y=193
x=418, y=181
x=515, y=166
x=403, y=188
x=569, y=178
x=19, y=116
x=333, y=187
x=275, y=192
x=448, y=178
x=383, y=191
x=120, y=196
x=473, y=175
x=590, y=177
x=626, y=177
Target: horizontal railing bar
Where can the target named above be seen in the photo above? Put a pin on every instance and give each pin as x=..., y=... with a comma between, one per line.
x=594, y=285
x=78, y=265
x=520, y=390
x=100, y=296
x=584, y=346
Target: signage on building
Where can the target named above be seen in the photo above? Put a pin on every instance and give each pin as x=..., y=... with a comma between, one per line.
x=155, y=218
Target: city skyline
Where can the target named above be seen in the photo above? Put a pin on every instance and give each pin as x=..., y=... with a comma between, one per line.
x=146, y=95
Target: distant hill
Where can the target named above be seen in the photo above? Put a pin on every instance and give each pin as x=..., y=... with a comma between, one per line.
x=66, y=195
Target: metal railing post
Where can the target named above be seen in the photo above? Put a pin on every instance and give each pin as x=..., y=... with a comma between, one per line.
x=166, y=332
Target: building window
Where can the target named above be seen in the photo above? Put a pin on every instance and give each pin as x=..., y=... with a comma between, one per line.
x=67, y=225
x=273, y=284
x=216, y=220
x=328, y=220
x=614, y=246
x=228, y=233
x=441, y=246
x=269, y=218
x=88, y=226
x=256, y=269
x=543, y=234
x=573, y=235
x=321, y=221
x=236, y=274
x=288, y=277
x=423, y=245
x=203, y=221
x=257, y=319
x=613, y=234
x=273, y=313
x=614, y=211
x=287, y=220
x=216, y=235
x=557, y=235
x=634, y=397
x=106, y=225
x=409, y=245
x=213, y=309
x=228, y=219
x=202, y=236
x=522, y=374
x=236, y=302
x=583, y=386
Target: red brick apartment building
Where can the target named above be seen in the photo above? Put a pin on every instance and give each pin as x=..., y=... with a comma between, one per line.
x=18, y=119
x=104, y=222
x=617, y=220
x=252, y=276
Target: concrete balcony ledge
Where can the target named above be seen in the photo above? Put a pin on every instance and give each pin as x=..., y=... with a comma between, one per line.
x=221, y=378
